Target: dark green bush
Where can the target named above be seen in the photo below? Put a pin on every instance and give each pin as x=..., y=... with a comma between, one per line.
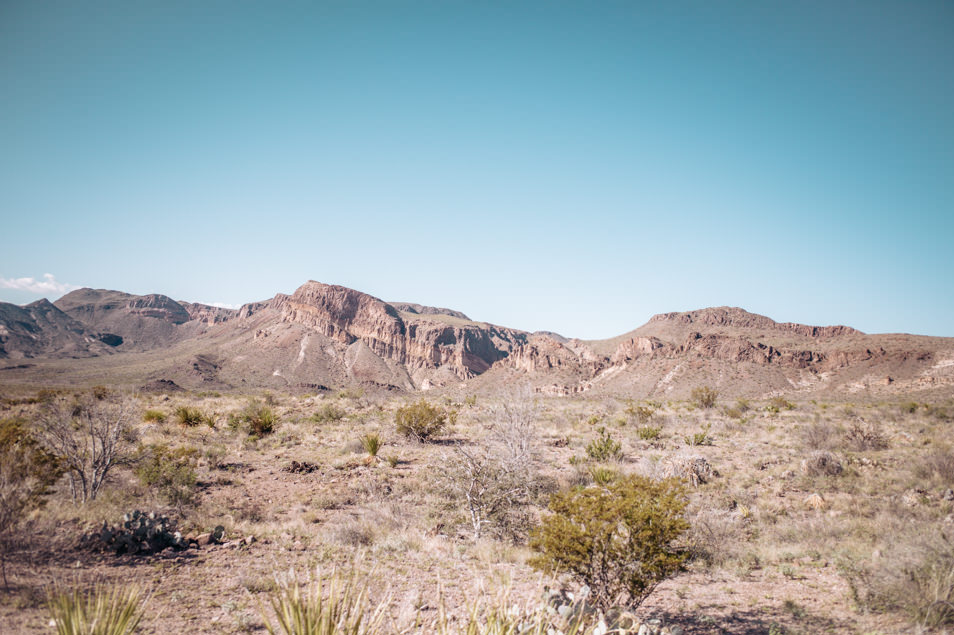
x=422, y=420
x=619, y=539
x=154, y=415
x=329, y=412
x=256, y=419
x=605, y=448
x=649, y=433
x=188, y=416
x=170, y=472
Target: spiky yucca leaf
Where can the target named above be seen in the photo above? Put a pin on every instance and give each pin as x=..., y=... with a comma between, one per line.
x=104, y=610
x=371, y=443
x=325, y=606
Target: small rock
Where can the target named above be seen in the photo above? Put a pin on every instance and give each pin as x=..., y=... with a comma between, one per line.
x=948, y=494
x=203, y=539
x=249, y=540
x=815, y=501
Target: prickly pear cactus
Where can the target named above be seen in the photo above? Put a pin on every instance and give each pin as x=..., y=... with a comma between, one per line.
x=139, y=533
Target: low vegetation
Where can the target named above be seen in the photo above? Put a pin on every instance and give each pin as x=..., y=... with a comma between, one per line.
x=104, y=610
x=619, y=539
x=731, y=506
x=422, y=420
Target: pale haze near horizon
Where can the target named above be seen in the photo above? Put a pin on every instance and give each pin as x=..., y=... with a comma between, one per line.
x=546, y=166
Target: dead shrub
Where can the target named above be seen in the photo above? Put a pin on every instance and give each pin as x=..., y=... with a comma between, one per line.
x=716, y=534
x=822, y=463
x=820, y=435
x=915, y=576
x=936, y=464
x=862, y=436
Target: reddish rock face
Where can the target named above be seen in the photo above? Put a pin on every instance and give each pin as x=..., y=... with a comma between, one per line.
x=347, y=316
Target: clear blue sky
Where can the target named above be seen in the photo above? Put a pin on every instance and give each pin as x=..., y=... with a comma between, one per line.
x=572, y=166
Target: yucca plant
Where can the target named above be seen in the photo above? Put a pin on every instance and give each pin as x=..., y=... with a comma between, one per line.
x=371, y=443
x=326, y=606
x=502, y=618
x=602, y=475
x=104, y=610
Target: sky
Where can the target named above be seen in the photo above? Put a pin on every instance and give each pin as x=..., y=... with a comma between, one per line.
x=566, y=166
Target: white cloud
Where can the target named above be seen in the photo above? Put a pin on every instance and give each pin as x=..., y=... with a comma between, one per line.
x=49, y=284
x=225, y=305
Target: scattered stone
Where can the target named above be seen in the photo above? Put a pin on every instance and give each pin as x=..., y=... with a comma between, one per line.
x=300, y=467
x=815, y=501
x=160, y=386
x=822, y=463
x=913, y=497
x=948, y=494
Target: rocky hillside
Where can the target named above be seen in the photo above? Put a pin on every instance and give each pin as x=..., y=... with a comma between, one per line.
x=325, y=336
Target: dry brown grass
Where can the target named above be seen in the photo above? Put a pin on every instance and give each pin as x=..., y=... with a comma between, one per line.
x=752, y=530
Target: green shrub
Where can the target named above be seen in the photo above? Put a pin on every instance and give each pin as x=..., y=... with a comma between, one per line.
x=642, y=413
x=191, y=417
x=704, y=397
x=619, y=539
x=699, y=438
x=154, y=415
x=649, y=433
x=328, y=412
x=604, y=448
x=422, y=420
x=777, y=404
x=27, y=471
x=909, y=407
x=256, y=419
x=115, y=610
x=602, y=475
x=170, y=472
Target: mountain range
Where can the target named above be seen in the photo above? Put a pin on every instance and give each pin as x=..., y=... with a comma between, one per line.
x=324, y=337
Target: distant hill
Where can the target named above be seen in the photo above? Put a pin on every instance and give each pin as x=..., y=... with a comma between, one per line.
x=326, y=336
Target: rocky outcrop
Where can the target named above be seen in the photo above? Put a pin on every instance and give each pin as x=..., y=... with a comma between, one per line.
x=349, y=316
x=736, y=318
x=639, y=347
x=420, y=309
x=207, y=314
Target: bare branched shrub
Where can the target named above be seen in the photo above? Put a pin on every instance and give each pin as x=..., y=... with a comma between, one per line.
x=936, y=464
x=497, y=477
x=915, y=576
x=863, y=436
x=513, y=429
x=820, y=435
x=716, y=535
x=489, y=485
x=90, y=437
x=704, y=397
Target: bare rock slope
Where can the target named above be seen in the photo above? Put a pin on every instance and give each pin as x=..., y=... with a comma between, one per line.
x=325, y=336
